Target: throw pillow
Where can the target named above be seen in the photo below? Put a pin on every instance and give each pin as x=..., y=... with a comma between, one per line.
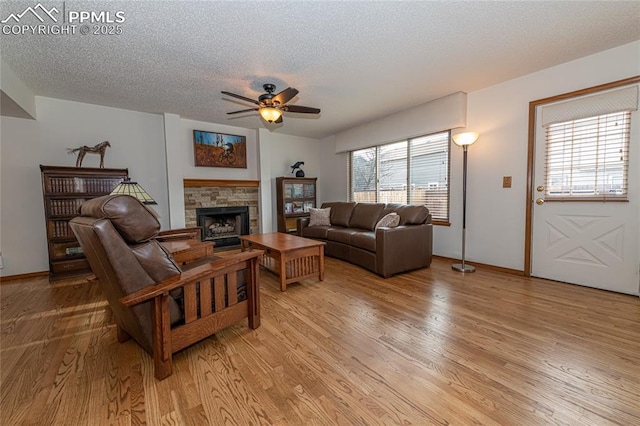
x=389, y=221
x=319, y=217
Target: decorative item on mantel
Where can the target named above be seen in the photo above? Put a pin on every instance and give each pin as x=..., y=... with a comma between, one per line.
x=300, y=172
x=100, y=148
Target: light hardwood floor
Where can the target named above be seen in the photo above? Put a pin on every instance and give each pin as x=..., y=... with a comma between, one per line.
x=427, y=347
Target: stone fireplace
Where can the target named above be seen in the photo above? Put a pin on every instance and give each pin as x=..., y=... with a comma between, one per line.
x=222, y=194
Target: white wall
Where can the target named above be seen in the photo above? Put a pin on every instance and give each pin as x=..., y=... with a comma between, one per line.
x=277, y=153
x=17, y=91
x=333, y=177
x=434, y=116
x=137, y=143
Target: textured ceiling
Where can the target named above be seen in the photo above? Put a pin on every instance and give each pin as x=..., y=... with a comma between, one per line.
x=357, y=61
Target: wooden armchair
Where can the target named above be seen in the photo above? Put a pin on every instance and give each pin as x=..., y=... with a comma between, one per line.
x=194, y=233
x=163, y=308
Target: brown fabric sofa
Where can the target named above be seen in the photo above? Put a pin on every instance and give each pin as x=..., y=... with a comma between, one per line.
x=352, y=236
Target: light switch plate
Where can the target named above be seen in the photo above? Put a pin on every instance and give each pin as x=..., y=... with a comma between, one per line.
x=506, y=181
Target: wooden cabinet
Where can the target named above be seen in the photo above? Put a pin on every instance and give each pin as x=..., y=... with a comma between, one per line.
x=64, y=189
x=295, y=196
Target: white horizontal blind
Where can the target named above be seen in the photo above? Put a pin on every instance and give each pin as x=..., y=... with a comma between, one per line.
x=392, y=173
x=429, y=173
x=588, y=158
x=414, y=171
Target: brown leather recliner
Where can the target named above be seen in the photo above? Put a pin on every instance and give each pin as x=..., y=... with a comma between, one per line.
x=163, y=308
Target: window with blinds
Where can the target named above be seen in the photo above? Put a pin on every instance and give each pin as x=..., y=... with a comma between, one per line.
x=587, y=145
x=414, y=171
x=588, y=158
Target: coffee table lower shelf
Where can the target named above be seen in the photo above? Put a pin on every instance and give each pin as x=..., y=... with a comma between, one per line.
x=299, y=258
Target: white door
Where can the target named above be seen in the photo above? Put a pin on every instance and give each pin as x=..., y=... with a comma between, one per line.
x=590, y=243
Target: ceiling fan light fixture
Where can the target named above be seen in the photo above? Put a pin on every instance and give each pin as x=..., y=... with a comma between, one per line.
x=270, y=114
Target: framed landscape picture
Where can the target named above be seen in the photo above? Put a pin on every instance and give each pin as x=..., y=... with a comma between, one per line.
x=219, y=150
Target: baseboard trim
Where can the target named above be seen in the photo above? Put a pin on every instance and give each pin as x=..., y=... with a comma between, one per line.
x=484, y=265
x=24, y=276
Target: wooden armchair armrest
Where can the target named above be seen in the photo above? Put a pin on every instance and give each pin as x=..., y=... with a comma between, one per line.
x=195, y=274
x=208, y=307
x=194, y=233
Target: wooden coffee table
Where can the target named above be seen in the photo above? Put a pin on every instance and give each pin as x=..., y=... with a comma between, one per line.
x=290, y=257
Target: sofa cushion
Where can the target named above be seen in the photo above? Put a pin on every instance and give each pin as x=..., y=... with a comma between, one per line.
x=390, y=208
x=365, y=240
x=390, y=220
x=319, y=217
x=341, y=235
x=366, y=215
x=413, y=215
x=318, y=232
x=340, y=212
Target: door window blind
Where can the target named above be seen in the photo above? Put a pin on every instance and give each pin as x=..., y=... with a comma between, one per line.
x=587, y=145
x=588, y=158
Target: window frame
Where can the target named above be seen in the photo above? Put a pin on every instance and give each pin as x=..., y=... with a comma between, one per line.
x=440, y=221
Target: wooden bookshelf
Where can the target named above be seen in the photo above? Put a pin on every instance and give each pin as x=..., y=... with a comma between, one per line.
x=64, y=189
x=295, y=196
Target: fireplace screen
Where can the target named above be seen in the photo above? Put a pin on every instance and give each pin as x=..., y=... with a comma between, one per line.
x=223, y=225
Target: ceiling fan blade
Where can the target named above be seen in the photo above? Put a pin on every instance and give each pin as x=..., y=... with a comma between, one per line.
x=279, y=120
x=243, y=110
x=253, y=101
x=285, y=96
x=301, y=109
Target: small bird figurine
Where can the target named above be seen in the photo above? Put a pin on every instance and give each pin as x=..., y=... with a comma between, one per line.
x=297, y=166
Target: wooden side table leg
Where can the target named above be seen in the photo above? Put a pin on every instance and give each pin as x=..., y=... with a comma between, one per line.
x=321, y=261
x=283, y=272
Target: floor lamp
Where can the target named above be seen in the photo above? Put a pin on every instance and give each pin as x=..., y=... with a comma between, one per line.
x=464, y=140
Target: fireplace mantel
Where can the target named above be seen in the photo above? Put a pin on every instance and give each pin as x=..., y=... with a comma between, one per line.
x=220, y=183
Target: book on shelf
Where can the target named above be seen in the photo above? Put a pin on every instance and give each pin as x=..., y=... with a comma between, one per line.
x=309, y=190
x=307, y=206
x=71, y=251
x=298, y=190
x=288, y=208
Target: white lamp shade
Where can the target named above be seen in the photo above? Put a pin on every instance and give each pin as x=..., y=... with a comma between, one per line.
x=270, y=114
x=466, y=138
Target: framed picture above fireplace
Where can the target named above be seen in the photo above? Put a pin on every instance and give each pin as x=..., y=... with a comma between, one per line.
x=219, y=150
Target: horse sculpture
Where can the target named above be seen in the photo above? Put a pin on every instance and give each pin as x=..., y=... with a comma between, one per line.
x=83, y=150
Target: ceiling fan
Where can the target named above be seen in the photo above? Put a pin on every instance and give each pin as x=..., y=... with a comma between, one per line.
x=272, y=106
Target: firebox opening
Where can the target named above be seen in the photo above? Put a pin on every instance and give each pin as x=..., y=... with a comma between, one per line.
x=223, y=225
